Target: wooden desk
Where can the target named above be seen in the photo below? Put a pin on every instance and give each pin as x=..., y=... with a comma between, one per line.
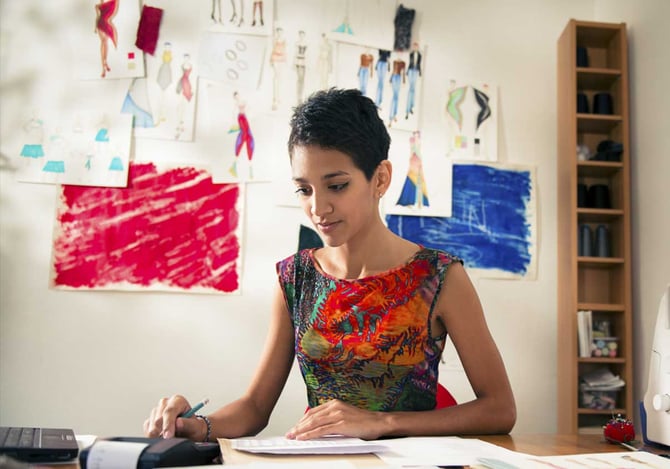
x=535, y=444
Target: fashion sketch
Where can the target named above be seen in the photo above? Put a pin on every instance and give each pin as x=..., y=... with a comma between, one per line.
x=365, y=71
x=104, y=27
x=185, y=91
x=382, y=68
x=414, y=192
x=454, y=100
x=300, y=64
x=413, y=74
x=277, y=62
x=398, y=78
x=244, y=137
x=325, y=61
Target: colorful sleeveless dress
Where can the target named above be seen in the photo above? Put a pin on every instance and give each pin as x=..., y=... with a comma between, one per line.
x=368, y=341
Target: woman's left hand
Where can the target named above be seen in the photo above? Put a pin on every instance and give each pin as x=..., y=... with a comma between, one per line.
x=337, y=418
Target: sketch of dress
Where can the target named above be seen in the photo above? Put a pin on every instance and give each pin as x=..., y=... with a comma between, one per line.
x=56, y=162
x=455, y=98
x=185, y=91
x=105, y=12
x=483, y=102
x=137, y=103
x=277, y=61
x=164, y=78
x=414, y=192
x=244, y=136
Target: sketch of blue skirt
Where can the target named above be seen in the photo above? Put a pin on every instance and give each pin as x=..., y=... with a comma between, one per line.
x=53, y=166
x=116, y=164
x=102, y=135
x=32, y=150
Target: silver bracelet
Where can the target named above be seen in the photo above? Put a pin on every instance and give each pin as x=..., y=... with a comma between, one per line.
x=209, y=425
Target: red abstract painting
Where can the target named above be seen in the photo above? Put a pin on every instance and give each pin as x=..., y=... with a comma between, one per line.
x=168, y=230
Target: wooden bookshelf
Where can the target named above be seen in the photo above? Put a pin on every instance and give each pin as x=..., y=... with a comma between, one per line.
x=599, y=284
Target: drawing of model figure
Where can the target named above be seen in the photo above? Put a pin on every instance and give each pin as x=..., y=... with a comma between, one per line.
x=234, y=17
x=164, y=78
x=277, y=62
x=216, y=18
x=104, y=27
x=414, y=192
x=413, y=73
x=325, y=61
x=365, y=71
x=397, y=75
x=382, y=67
x=482, y=98
x=300, y=66
x=258, y=6
x=185, y=91
x=34, y=132
x=244, y=136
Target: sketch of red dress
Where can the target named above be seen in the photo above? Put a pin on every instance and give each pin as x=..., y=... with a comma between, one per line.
x=184, y=85
x=106, y=11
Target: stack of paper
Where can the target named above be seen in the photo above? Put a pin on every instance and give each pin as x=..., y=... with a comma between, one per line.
x=601, y=379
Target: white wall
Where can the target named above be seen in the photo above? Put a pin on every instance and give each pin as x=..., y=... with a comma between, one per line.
x=129, y=349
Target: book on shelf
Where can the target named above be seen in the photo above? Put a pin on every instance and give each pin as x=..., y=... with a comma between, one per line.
x=585, y=332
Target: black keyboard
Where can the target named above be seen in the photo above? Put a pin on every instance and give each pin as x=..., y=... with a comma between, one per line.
x=19, y=437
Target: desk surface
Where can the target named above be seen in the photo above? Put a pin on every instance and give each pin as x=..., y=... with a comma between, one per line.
x=535, y=444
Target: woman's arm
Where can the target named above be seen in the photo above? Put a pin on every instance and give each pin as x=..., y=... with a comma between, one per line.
x=492, y=411
x=247, y=415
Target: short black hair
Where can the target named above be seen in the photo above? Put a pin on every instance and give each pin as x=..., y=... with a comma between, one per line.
x=344, y=120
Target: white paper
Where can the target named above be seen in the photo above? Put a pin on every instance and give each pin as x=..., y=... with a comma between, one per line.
x=445, y=451
x=114, y=454
x=327, y=445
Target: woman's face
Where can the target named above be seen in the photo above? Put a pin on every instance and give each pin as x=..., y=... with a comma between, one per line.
x=334, y=193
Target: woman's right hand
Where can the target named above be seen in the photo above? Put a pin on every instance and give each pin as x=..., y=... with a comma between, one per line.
x=164, y=420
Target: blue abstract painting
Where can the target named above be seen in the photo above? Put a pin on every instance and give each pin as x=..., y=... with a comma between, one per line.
x=492, y=226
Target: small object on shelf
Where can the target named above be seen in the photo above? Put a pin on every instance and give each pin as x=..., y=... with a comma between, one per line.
x=602, y=242
x=619, y=430
x=599, y=196
x=606, y=347
x=585, y=245
x=582, y=57
x=608, y=150
x=582, y=103
x=583, y=152
x=602, y=104
x=582, y=195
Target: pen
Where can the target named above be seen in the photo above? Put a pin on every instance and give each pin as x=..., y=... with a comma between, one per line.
x=194, y=409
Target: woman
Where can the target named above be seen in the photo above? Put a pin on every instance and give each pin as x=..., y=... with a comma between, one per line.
x=367, y=315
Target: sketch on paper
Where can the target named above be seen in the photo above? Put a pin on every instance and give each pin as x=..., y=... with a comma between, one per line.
x=493, y=224
x=170, y=229
x=232, y=16
x=163, y=104
x=109, y=52
x=237, y=137
x=234, y=59
x=393, y=80
x=421, y=184
x=89, y=148
x=471, y=112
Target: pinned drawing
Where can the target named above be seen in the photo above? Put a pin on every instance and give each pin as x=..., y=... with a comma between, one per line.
x=106, y=239
x=88, y=148
x=391, y=79
x=238, y=138
x=426, y=188
x=278, y=64
x=471, y=114
x=253, y=23
x=111, y=52
x=493, y=226
x=234, y=59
